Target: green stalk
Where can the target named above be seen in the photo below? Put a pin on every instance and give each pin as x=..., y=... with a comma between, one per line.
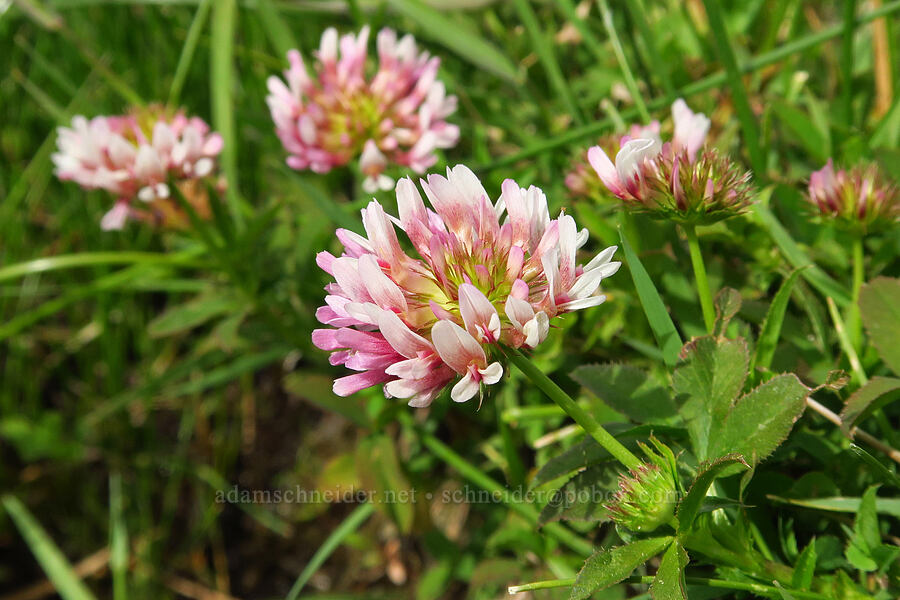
x=854, y=322
x=573, y=409
x=738, y=92
x=706, y=300
x=630, y=82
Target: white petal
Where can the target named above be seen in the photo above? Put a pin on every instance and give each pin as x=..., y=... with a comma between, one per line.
x=492, y=373
x=464, y=389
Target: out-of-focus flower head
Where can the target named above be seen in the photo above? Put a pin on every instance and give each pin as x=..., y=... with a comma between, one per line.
x=583, y=181
x=330, y=116
x=675, y=180
x=477, y=281
x=134, y=156
x=860, y=198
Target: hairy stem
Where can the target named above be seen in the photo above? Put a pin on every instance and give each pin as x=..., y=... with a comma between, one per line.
x=706, y=300
x=581, y=416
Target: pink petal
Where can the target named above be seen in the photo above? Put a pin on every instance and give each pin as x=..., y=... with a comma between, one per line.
x=400, y=337
x=456, y=347
x=351, y=384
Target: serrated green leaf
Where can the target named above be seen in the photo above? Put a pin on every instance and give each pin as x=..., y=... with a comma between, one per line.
x=457, y=38
x=867, y=399
x=661, y=324
x=761, y=419
x=690, y=504
x=880, y=312
x=609, y=566
x=581, y=498
x=379, y=470
x=628, y=390
x=771, y=327
x=707, y=383
x=65, y=582
x=727, y=304
x=668, y=584
x=805, y=567
x=191, y=314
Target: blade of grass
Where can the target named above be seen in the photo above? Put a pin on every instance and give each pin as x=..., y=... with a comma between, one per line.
x=847, y=62
x=477, y=476
x=846, y=345
x=816, y=277
x=738, y=92
x=771, y=327
x=664, y=331
x=707, y=83
x=118, y=541
x=459, y=39
x=279, y=34
x=222, y=81
x=630, y=82
x=353, y=522
x=660, y=69
x=51, y=559
x=188, y=258
x=547, y=56
x=264, y=517
x=188, y=50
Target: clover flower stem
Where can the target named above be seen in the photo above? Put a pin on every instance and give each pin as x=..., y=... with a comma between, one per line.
x=854, y=321
x=706, y=300
x=580, y=416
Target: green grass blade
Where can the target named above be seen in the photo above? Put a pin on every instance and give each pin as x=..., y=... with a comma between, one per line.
x=816, y=277
x=738, y=92
x=630, y=81
x=660, y=67
x=222, y=82
x=188, y=50
x=51, y=559
x=92, y=259
x=257, y=512
x=547, y=56
x=280, y=35
x=353, y=522
x=844, y=339
x=461, y=40
x=660, y=322
x=707, y=83
x=771, y=327
x=846, y=105
x=118, y=539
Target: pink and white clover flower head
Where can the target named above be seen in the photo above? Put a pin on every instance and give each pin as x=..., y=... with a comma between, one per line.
x=134, y=157
x=860, y=198
x=484, y=275
x=674, y=180
x=334, y=113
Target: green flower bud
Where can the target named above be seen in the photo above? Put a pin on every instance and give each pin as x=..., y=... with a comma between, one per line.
x=645, y=500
